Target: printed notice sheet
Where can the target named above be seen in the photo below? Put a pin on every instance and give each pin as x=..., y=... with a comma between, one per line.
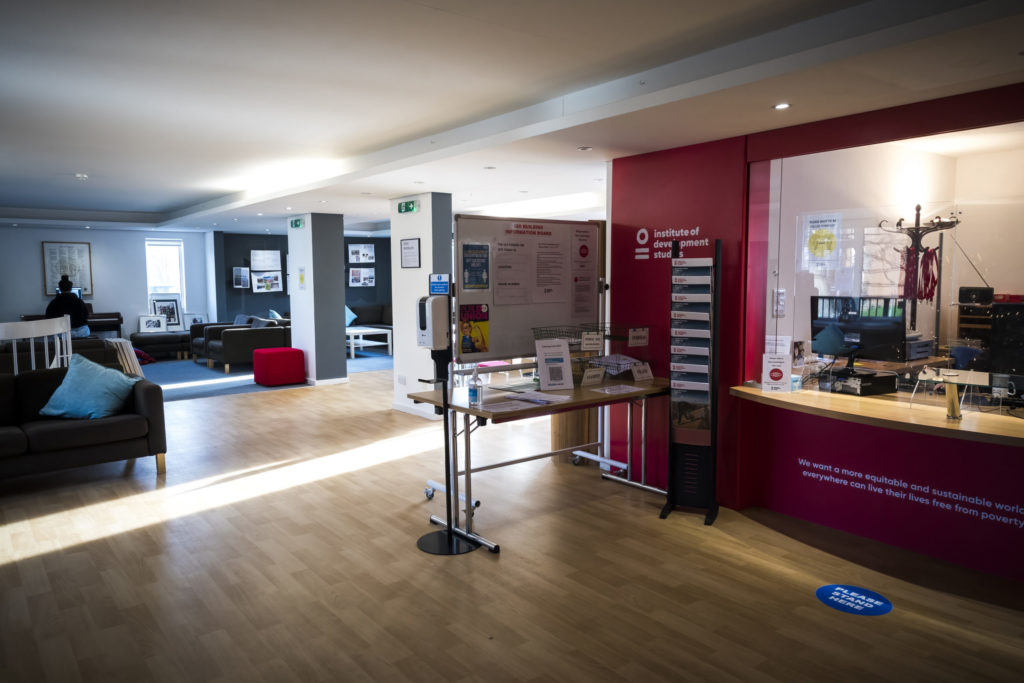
x=553, y=364
x=552, y=277
x=512, y=271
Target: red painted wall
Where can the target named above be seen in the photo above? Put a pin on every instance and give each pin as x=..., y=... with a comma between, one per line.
x=722, y=187
x=701, y=187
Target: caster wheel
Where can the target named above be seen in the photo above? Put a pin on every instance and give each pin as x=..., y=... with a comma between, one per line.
x=577, y=460
x=429, y=493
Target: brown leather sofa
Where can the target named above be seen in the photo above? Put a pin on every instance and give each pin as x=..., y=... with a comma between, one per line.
x=31, y=443
x=230, y=344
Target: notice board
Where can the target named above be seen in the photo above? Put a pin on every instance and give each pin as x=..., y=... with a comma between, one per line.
x=515, y=274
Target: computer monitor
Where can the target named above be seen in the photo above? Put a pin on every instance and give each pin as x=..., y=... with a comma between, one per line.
x=859, y=327
x=77, y=291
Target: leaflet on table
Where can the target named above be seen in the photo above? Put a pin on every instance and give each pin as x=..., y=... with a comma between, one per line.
x=541, y=397
x=553, y=364
x=616, y=389
x=502, y=406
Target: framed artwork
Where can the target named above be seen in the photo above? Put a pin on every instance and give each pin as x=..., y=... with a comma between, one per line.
x=361, y=277
x=267, y=281
x=240, y=277
x=194, y=318
x=360, y=253
x=73, y=259
x=411, y=252
x=264, y=259
x=152, y=323
x=168, y=307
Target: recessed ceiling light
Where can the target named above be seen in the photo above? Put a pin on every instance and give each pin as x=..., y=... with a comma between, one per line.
x=88, y=227
x=268, y=231
x=524, y=192
x=417, y=182
x=215, y=224
x=781, y=105
x=584, y=148
x=260, y=213
x=323, y=201
x=366, y=194
x=287, y=208
x=235, y=219
x=81, y=176
x=490, y=168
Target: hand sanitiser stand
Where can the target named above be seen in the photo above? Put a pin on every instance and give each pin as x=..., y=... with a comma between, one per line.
x=434, y=332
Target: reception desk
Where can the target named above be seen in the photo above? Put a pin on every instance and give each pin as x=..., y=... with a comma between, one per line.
x=882, y=468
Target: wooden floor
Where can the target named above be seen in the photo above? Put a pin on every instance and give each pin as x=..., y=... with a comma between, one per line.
x=281, y=546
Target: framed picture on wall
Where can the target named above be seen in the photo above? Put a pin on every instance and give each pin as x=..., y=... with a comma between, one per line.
x=264, y=259
x=361, y=277
x=267, y=281
x=195, y=318
x=411, y=252
x=240, y=277
x=169, y=307
x=73, y=259
x=152, y=323
x=360, y=253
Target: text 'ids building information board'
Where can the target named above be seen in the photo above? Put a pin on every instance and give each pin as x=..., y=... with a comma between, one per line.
x=513, y=275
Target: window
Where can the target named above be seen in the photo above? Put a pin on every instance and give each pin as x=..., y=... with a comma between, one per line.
x=165, y=267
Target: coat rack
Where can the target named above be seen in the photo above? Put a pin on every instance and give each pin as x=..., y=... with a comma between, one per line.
x=918, y=260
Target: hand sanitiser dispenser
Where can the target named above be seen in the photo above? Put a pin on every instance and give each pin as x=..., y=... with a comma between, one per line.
x=433, y=322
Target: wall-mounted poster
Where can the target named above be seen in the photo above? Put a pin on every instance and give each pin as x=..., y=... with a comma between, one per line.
x=361, y=277
x=240, y=277
x=267, y=281
x=73, y=259
x=476, y=265
x=264, y=259
x=360, y=253
x=411, y=252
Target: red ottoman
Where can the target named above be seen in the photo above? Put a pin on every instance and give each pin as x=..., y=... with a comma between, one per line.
x=273, y=367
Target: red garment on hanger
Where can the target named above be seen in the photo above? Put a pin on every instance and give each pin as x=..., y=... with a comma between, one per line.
x=929, y=268
x=910, y=273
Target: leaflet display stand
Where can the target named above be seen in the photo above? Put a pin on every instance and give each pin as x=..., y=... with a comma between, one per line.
x=693, y=367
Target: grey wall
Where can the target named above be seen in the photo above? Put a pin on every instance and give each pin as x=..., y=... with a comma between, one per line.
x=234, y=251
x=381, y=293
x=118, y=270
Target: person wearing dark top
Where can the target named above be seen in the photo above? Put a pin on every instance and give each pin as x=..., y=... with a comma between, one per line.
x=66, y=303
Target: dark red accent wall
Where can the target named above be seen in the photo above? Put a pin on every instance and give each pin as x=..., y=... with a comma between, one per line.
x=703, y=186
x=723, y=187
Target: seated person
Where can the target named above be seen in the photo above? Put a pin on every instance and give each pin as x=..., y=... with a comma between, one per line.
x=67, y=303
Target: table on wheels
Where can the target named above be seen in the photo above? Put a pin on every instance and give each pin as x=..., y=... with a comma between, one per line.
x=580, y=398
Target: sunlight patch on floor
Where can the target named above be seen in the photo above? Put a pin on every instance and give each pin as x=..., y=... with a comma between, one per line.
x=54, y=532
x=210, y=382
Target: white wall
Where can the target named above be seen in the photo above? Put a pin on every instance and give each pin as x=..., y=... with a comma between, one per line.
x=118, y=270
x=990, y=193
x=865, y=185
x=411, y=362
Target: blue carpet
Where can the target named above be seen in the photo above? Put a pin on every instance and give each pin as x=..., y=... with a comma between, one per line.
x=183, y=379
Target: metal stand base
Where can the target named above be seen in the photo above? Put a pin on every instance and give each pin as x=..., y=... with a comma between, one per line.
x=444, y=543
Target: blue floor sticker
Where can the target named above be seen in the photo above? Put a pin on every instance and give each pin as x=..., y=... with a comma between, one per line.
x=854, y=600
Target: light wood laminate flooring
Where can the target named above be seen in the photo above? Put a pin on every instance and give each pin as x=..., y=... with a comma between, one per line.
x=281, y=546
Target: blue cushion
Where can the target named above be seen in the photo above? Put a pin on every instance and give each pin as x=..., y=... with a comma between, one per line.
x=274, y=315
x=89, y=390
x=242, y=319
x=349, y=316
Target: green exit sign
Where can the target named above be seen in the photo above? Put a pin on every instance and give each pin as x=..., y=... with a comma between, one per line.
x=295, y=223
x=409, y=207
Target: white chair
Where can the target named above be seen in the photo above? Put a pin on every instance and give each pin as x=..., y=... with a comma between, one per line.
x=55, y=331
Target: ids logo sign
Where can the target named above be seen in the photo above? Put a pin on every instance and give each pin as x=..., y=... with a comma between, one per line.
x=661, y=247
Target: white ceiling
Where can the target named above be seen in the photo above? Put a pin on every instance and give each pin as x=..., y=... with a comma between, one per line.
x=203, y=114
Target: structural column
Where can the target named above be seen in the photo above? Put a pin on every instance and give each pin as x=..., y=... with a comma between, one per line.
x=430, y=222
x=316, y=286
